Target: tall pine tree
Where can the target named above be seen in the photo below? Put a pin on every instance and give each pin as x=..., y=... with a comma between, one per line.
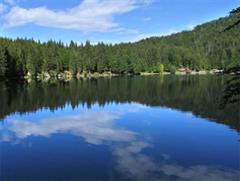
x=3, y=61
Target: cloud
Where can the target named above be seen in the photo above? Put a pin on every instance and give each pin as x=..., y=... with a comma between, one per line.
x=2, y=8
x=94, y=127
x=133, y=164
x=147, y=19
x=142, y=36
x=199, y=172
x=88, y=16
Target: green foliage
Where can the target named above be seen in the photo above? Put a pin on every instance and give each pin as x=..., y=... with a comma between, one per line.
x=233, y=64
x=208, y=46
x=172, y=69
x=234, y=11
x=53, y=73
x=3, y=61
x=161, y=68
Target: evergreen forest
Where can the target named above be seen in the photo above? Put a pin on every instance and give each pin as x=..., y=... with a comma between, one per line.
x=213, y=45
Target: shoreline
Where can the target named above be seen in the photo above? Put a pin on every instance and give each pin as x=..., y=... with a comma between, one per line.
x=68, y=76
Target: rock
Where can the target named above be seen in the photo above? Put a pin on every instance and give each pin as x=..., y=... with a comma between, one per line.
x=46, y=76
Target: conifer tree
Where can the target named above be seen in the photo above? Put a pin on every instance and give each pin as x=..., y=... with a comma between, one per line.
x=3, y=61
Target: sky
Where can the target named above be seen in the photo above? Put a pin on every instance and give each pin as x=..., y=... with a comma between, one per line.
x=108, y=21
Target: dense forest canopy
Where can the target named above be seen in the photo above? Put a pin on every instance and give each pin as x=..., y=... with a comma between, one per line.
x=208, y=46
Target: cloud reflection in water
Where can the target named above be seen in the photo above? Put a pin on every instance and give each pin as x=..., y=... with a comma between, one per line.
x=94, y=127
x=127, y=147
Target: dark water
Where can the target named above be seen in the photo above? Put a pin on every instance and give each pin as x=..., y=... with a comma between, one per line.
x=126, y=128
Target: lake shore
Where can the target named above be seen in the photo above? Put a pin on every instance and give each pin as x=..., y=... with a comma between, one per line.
x=67, y=75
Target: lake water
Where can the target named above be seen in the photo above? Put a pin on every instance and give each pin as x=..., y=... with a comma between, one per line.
x=124, y=128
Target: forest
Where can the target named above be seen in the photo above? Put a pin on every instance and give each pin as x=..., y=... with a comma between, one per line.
x=212, y=45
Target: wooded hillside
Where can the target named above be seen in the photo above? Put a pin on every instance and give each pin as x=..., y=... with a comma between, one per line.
x=208, y=46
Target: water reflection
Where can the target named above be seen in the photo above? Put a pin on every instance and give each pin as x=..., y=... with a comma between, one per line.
x=200, y=95
x=128, y=147
x=135, y=165
x=94, y=127
x=231, y=91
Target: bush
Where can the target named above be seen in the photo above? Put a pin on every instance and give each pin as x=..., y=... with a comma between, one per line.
x=53, y=74
x=161, y=68
x=172, y=69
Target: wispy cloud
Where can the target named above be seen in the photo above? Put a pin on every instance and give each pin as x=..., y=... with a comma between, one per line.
x=88, y=16
x=147, y=19
x=141, y=36
x=132, y=163
x=95, y=127
x=2, y=8
x=135, y=165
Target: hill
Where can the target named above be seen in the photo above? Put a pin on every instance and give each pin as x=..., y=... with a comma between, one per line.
x=213, y=45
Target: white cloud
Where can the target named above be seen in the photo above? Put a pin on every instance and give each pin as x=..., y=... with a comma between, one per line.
x=88, y=16
x=2, y=8
x=135, y=165
x=142, y=36
x=199, y=172
x=128, y=148
x=94, y=127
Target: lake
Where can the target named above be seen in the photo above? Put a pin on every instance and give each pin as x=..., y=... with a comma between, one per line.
x=120, y=128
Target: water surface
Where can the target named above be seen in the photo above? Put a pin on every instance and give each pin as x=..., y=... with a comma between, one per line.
x=123, y=128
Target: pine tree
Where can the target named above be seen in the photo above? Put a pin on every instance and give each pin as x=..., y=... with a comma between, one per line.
x=3, y=61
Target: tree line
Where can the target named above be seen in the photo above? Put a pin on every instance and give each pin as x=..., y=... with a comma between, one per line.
x=208, y=46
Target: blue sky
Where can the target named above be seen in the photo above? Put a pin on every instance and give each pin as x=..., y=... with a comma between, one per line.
x=109, y=21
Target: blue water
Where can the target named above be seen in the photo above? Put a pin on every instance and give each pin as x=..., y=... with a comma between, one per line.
x=117, y=141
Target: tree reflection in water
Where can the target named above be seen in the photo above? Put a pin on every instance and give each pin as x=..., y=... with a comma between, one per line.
x=200, y=95
x=232, y=88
